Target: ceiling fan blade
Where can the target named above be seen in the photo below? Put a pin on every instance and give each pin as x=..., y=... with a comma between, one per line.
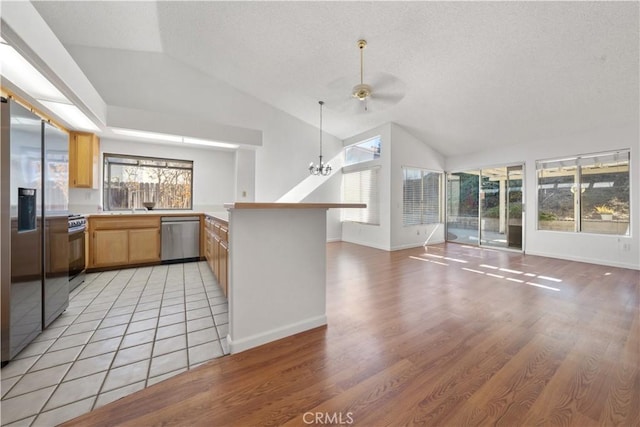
x=342, y=84
x=387, y=98
x=385, y=82
x=340, y=104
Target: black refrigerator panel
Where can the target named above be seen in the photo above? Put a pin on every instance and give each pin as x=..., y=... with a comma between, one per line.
x=27, y=209
x=21, y=235
x=56, y=223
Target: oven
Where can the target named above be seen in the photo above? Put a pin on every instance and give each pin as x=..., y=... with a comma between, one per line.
x=77, y=226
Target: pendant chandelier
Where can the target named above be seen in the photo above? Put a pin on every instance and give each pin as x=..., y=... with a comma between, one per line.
x=320, y=168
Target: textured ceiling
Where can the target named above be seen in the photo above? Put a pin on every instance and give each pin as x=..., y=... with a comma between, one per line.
x=469, y=75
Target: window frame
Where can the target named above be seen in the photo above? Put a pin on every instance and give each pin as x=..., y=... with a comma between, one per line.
x=581, y=161
x=106, y=173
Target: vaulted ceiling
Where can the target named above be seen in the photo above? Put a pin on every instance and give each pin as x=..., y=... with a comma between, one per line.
x=467, y=75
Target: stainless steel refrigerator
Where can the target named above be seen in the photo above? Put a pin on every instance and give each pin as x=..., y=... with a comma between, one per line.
x=33, y=201
x=55, y=203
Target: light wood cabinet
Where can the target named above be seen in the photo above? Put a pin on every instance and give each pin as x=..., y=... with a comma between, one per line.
x=124, y=240
x=84, y=158
x=223, y=265
x=110, y=248
x=217, y=252
x=144, y=245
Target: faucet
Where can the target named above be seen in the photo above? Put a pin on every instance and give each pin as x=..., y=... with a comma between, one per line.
x=132, y=205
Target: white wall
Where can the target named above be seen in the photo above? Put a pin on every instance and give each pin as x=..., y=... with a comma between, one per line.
x=376, y=236
x=213, y=174
x=593, y=248
x=245, y=175
x=277, y=271
x=407, y=150
x=288, y=146
x=330, y=192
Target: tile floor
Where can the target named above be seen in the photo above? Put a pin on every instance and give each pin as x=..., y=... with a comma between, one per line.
x=124, y=330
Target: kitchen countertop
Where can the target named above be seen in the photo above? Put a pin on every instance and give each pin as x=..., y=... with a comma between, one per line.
x=221, y=215
x=141, y=212
x=279, y=205
x=224, y=215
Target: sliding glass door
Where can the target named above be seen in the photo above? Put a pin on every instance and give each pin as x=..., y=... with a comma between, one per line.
x=515, y=181
x=462, y=207
x=485, y=207
x=492, y=207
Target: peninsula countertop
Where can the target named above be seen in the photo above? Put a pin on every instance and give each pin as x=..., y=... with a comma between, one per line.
x=277, y=205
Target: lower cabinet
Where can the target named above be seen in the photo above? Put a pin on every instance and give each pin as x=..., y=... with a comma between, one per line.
x=128, y=240
x=217, y=251
x=223, y=264
x=144, y=245
x=110, y=248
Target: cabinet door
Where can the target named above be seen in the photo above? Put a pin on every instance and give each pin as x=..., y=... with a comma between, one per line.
x=224, y=267
x=144, y=245
x=110, y=248
x=83, y=160
x=58, y=253
x=207, y=240
x=210, y=251
x=215, y=250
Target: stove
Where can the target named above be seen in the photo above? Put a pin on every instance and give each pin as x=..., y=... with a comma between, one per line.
x=77, y=242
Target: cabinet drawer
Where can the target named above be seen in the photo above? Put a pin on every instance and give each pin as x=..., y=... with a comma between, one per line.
x=127, y=222
x=224, y=234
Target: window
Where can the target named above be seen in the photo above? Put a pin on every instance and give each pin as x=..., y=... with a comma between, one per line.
x=587, y=193
x=422, y=191
x=363, y=151
x=129, y=181
x=361, y=187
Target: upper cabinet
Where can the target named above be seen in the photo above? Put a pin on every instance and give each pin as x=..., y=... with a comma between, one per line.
x=84, y=158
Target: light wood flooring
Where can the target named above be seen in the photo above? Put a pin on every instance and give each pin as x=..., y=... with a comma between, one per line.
x=448, y=336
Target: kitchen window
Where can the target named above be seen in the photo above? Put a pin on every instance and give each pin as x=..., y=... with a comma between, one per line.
x=586, y=193
x=422, y=195
x=130, y=182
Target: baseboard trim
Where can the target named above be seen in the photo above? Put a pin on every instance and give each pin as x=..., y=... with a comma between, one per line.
x=237, y=346
x=414, y=245
x=587, y=260
x=368, y=244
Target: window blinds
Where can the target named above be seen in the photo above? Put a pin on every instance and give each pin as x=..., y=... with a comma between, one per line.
x=421, y=197
x=361, y=187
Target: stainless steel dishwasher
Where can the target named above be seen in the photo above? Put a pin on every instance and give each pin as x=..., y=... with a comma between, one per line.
x=180, y=238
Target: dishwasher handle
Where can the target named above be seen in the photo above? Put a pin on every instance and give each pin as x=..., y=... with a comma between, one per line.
x=179, y=219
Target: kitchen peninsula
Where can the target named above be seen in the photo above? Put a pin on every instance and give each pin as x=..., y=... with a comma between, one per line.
x=277, y=270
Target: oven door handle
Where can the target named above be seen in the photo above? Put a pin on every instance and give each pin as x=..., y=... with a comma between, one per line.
x=76, y=231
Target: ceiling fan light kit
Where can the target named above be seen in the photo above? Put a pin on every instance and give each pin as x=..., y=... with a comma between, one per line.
x=320, y=168
x=361, y=91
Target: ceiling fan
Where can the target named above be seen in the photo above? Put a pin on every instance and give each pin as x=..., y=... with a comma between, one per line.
x=383, y=91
